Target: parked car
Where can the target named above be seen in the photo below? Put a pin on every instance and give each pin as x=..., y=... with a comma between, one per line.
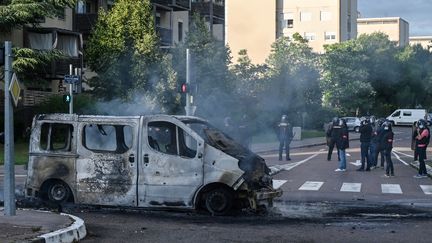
x=353, y=123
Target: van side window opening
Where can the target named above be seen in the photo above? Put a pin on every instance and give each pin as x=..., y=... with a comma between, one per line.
x=56, y=137
x=167, y=138
x=396, y=114
x=107, y=138
x=407, y=113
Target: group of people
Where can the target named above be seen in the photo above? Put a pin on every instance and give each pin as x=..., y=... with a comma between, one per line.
x=376, y=138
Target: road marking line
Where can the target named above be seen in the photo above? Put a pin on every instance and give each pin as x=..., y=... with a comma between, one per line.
x=357, y=163
x=397, y=157
x=311, y=186
x=427, y=189
x=407, y=155
x=278, y=168
x=391, y=188
x=278, y=183
x=351, y=187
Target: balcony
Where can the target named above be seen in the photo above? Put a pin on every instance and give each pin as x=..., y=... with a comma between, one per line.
x=48, y=38
x=175, y=4
x=204, y=9
x=165, y=36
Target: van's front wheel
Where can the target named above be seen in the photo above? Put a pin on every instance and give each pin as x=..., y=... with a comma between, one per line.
x=58, y=192
x=219, y=201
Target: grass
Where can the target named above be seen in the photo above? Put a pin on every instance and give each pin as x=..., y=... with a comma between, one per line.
x=21, y=153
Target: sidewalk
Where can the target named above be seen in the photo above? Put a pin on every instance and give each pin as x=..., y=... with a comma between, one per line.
x=307, y=142
x=40, y=226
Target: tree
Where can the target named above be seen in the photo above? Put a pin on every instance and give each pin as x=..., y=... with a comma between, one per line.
x=293, y=80
x=210, y=60
x=124, y=52
x=20, y=13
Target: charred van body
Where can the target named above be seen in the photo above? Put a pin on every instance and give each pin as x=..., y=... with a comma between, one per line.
x=156, y=161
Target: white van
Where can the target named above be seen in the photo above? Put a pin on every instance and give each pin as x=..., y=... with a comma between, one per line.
x=155, y=161
x=406, y=116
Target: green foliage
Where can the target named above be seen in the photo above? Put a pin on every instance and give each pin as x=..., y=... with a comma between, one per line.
x=372, y=75
x=18, y=13
x=82, y=104
x=293, y=78
x=124, y=51
x=210, y=60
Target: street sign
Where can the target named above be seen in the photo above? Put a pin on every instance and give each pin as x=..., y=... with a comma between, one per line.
x=15, y=89
x=71, y=79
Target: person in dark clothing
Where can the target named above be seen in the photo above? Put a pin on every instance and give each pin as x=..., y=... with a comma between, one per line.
x=386, y=145
x=414, y=140
x=375, y=150
x=365, y=140
x=285, y=136
x=422, y=140
x=331, y=138
x=342, y=143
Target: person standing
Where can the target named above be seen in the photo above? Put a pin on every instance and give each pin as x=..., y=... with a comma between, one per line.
x=365, y=140
x=386, y=146
x=375, y=145
x=342, y=143
x=331, y=138
x=422, y=140
x=285, y=137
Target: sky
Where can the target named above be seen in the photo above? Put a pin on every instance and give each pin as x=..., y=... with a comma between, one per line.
x=418, y=13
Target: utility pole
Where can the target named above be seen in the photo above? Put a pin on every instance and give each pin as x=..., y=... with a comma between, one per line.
x=71, y=91
x=187, y=105
x=9, y=167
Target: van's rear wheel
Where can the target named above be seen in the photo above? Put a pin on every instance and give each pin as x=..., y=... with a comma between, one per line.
x=58, y=192
x=219, y=201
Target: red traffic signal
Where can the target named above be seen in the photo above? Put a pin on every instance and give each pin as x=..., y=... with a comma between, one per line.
x=184, y=88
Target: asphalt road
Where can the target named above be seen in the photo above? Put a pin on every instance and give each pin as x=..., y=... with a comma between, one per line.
x=318, y=205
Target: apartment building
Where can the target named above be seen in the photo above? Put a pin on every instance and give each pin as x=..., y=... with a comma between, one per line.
x=53, y=33
x=255, y=24
x=396, y=28
x=320, y=22
x=424, y=41
x=213, y=12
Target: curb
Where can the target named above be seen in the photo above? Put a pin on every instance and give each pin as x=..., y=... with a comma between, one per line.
x=73, y=233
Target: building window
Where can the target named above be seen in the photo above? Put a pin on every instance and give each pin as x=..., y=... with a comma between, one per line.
x=288, y=21
x=330, y=35
x=157, y=19
x=180, y=31
x=305, y=16
x=309, y=36
x=326, y=16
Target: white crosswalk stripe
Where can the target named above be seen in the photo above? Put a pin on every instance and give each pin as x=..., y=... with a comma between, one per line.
x=427, y=189
x=351, y=187
x=391, y=188
x=311, y=186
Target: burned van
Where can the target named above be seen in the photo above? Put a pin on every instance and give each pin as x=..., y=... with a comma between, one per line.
x=155, y=161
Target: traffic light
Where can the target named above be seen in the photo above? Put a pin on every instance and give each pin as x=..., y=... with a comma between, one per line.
x=67, y=98
x=184, y=88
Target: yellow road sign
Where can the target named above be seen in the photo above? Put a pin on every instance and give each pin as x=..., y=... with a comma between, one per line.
x=15, y=89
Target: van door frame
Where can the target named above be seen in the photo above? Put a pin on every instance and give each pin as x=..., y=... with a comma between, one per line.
x=108, y=178
x=169, y=180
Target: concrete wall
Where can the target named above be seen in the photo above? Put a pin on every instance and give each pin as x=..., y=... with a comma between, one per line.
x=424, y=41
x=396, y=28
x=250, y=25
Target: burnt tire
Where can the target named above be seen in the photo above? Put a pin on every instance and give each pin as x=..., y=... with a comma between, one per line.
x=58, y=192
x=219, y=201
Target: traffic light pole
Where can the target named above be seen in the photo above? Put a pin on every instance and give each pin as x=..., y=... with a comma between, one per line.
x=188, y=105
x=9, y=168
x=70, y=92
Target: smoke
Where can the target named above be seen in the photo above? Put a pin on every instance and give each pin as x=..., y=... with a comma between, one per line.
x=140, y=104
